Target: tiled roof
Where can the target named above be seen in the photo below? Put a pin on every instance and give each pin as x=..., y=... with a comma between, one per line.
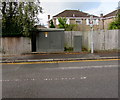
x=111, y=14
x=73, y=13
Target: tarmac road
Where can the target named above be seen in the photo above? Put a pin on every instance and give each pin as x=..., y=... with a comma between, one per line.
x=87, y=79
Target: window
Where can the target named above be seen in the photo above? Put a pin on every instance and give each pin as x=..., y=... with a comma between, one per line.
x=95, y=22
x=68, y=21
x=78, y=21
x=87, y=21
x=57, y=22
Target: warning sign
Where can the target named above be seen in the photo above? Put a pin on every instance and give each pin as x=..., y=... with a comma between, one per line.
x=46, y=34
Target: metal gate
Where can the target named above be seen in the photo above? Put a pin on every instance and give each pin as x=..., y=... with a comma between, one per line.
x=77, y=43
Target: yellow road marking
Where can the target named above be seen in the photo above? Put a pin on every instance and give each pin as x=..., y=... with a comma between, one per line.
x=62, y=61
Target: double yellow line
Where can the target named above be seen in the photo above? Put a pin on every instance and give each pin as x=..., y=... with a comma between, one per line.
x=44, y=62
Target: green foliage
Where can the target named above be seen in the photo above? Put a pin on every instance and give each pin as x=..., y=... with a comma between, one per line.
x=19, y=18
x=115, y=24
x=69, y=49
x=52, y=24
x=71, y=27
x=63, y=24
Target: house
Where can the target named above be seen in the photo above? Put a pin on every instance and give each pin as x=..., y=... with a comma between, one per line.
x=107, y=19
x=80, y=18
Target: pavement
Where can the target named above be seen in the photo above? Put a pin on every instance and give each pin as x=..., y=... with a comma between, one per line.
x=64, y=56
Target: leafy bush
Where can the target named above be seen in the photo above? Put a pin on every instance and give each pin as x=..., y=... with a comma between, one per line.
x=71, y=27
x=68, y=49
x=11, y=35
x=115, y=24
x=52, y=24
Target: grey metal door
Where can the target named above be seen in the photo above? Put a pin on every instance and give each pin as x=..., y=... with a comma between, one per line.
x=77, y=43
x=42, y=42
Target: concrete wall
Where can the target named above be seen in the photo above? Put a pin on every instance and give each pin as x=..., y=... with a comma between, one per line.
x=15, y=45
x=106, y=40
x=103, y=39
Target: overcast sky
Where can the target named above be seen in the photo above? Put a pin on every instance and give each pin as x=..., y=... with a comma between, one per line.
x=95, y=7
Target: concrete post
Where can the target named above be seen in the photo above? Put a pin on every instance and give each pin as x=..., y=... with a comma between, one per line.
x=91, y=25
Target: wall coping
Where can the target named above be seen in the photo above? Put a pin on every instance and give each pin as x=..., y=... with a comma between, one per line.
x=49, y=29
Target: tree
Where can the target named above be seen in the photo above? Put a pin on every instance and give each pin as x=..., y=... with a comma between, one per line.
x=52, y=24
x=62, y=23
x=19, y=18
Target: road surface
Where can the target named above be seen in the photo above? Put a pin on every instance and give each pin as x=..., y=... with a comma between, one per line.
x=85, y=79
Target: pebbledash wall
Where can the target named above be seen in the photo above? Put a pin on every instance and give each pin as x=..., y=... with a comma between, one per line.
x=102, y=39
x=15, y=45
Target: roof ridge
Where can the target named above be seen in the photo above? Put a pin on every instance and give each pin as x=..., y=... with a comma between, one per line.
x=69, y=12
x=110, y=13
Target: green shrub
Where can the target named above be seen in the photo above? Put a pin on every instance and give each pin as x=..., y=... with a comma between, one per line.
x=115, y=24
x=68, y=49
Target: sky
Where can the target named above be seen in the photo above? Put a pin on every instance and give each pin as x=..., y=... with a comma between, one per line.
x=95, y=7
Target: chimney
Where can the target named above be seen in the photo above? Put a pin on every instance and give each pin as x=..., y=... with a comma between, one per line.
x=48, y=21
x=48, y=17
x=101, y=15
